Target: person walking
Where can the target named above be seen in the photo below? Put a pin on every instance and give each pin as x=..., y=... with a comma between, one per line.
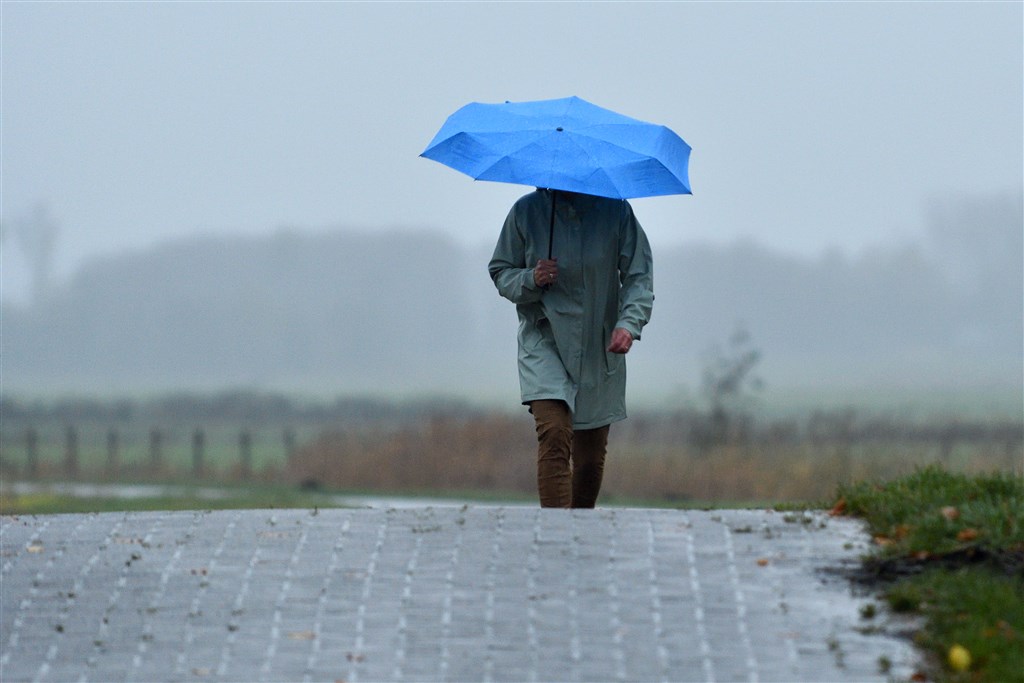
x=579, y=269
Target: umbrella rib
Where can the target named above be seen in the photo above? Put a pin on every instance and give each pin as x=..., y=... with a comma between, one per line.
x=507, y=155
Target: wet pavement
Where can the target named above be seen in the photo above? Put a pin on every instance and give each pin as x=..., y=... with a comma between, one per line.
x=442, y=593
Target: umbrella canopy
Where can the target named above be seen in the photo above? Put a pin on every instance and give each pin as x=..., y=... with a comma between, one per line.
x=564, y=144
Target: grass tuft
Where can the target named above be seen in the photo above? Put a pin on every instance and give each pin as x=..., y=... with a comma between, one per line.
x=934, y=514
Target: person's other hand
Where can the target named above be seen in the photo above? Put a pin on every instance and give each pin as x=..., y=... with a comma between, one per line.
x=621, y=341
x=546, y=272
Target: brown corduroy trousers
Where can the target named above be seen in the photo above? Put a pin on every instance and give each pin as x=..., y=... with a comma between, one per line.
x=570, y=463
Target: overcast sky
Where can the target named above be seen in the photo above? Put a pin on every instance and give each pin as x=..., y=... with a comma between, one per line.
x=813, y=125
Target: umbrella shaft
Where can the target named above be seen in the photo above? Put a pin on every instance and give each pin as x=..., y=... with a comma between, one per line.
x=551, y=230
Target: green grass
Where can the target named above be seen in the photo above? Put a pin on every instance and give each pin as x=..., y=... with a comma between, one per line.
x=181, y=495
x=952, y=547
x=977, y=609
x=936, y=512
x=236, y=498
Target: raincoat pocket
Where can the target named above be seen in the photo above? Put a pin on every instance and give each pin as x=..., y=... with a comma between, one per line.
x=537, y=334
x=613, y=362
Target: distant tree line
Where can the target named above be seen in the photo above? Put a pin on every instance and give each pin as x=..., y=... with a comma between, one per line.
x=413, y=313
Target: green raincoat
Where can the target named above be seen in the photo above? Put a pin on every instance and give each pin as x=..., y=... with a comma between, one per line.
x=605, y=280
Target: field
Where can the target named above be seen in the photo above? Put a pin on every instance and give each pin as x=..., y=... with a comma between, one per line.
x=659, y=460
x=681, y=458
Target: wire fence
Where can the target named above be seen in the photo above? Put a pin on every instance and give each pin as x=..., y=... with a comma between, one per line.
x=92, y=452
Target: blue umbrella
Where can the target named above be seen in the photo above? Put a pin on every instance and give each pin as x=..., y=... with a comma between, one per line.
x=564, y=144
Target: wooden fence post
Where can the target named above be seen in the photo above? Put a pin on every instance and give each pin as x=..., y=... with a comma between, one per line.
x=71, y=452
x=113, y=448
x=947, y=439
x=245, y=453
x=32, y=452
x=198, y=446
x=156, y=438
x=289, y=445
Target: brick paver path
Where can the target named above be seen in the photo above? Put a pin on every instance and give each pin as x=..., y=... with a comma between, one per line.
x=437, y=594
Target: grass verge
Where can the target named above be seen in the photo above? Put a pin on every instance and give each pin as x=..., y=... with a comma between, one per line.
x=951, y=549
x=255, y=497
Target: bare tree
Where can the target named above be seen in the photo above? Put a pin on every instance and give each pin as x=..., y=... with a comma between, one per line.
x=730, y=388
x=36, y=235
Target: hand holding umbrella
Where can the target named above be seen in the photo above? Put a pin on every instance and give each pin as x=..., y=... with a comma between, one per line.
x=546, y=272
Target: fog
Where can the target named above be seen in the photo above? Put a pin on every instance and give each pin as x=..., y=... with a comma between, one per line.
x=411, y=313
x=211, y=195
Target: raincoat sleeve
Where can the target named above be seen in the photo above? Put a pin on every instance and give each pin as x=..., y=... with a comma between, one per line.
x=508, y=268
x=636, y=275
